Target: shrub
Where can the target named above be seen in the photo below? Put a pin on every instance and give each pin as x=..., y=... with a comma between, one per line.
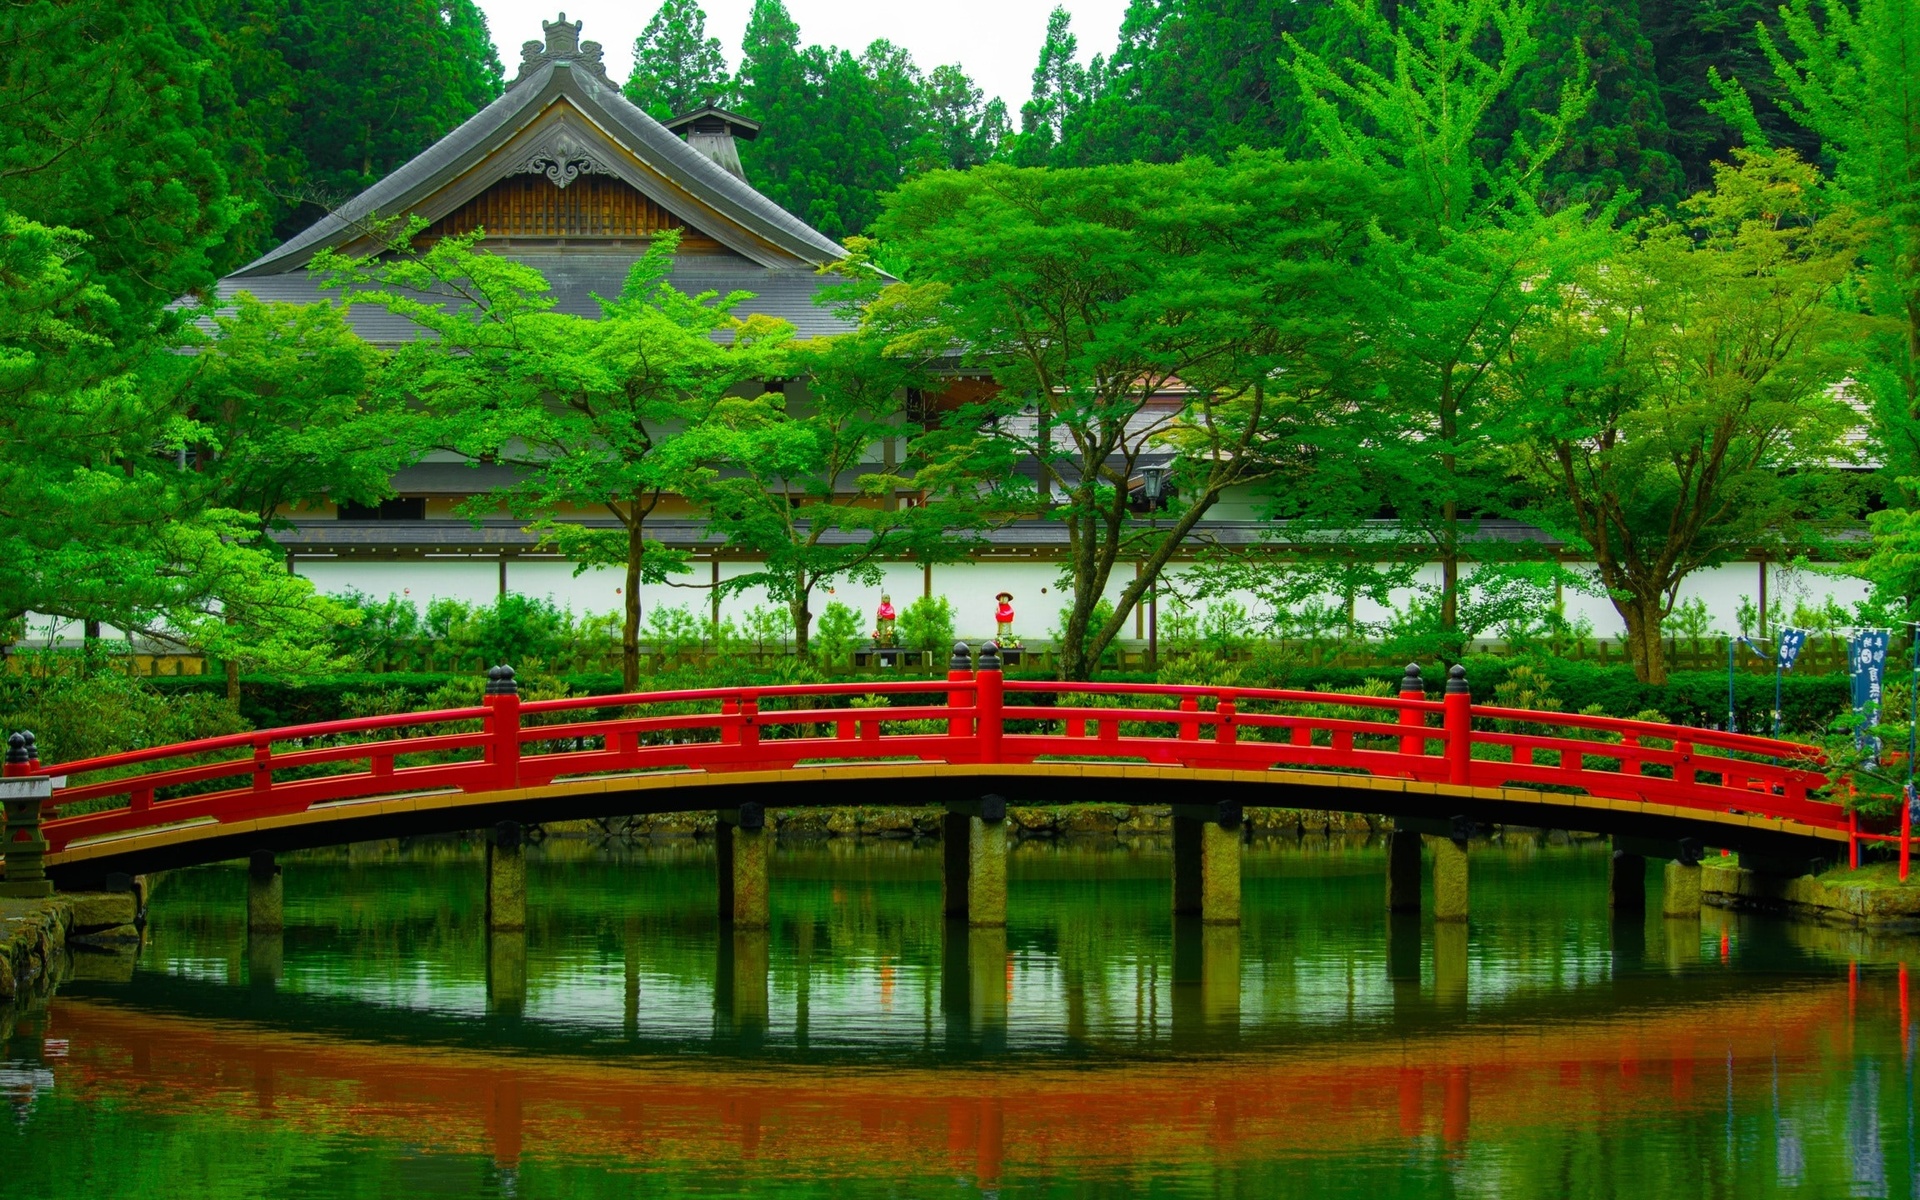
x=837, y=634
x=673, y=631
x=927, y=624
x=84, y=716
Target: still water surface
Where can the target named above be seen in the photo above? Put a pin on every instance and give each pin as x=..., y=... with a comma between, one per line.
x=630, y=1045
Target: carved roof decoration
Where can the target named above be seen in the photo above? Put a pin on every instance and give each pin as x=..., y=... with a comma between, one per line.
x=563, y=45
x=563, y=118
x=562, y=157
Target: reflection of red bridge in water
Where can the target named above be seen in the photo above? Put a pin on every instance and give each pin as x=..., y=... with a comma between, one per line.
x=954, y=739
x=1458, y=1085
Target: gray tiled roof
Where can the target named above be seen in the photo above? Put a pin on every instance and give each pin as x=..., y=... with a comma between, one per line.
x=491, y=127
x=1028, y=535
x=576, y=278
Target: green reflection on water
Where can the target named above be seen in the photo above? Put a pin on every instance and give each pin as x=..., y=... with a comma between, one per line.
x=384, y=1045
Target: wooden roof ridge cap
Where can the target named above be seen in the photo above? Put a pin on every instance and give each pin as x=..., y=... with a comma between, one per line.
x=479, y=137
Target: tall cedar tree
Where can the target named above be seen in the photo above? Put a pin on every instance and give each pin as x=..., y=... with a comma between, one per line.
x=840, y=130
x=111, y=124
x=676, y=66
x=340, y=92
x=1694, y=39
x=1090, y=292
x=1621, y=142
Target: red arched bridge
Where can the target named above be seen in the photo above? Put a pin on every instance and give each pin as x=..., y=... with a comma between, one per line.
x=1203, y=749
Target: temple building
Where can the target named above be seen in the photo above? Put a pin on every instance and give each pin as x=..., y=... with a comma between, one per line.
x=566, y=175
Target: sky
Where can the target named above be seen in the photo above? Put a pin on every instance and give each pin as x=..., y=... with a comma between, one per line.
x=997, y=41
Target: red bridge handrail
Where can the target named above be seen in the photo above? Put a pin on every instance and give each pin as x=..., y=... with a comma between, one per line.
x=963, y=719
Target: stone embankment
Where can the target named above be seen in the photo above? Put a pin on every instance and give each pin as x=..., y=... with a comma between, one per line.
x=1838, y=897
x=1072, y=820
x=35, y=934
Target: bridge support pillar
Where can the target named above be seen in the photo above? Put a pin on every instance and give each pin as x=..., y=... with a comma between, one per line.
x=1450, y=962
x=506, y=877
x=740, y=984
x=1403, y=871
x=973, y=855
x=1206, y=862
x=1449, y=878
x=740, y=844
x=266, y=893
x=1206, y=977
x=973, y=985
x=1682, y=893
x=506, y=972
x=1627, y=882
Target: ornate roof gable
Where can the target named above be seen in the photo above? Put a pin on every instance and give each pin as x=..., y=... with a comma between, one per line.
x=562, y=118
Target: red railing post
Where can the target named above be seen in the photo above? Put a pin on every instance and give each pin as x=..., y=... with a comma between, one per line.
x=988, y=698
x=1224, y=730
x=503, y=726
x=749, y=720
x=1413, y=688
x=960, y=670
x=1189, y=730
x=730, y=730
x=1459, y=723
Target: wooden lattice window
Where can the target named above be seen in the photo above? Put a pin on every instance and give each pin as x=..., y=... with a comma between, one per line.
x=533, y=206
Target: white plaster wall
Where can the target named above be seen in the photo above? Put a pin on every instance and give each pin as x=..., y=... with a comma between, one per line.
x=970, y=587
x=474, y=580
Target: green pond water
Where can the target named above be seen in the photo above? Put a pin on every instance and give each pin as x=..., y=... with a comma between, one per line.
x=631, y=1045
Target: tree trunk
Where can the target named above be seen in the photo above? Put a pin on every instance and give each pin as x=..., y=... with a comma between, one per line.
x=630, y=634
x=1644, y=647
x=233, y=683
x=1072, y=651
x=802, y=621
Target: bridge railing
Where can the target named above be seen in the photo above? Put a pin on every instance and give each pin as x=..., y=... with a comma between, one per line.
x=972, y=717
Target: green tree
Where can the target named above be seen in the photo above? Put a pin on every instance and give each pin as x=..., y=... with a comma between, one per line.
x=582, y=407
x=1686, y=405
x=99, y=519
x=1060, y=89
x=786, y=479
x=106, y=129
x=1692, y=41
x=1620, y=142
x=676, y=66
x=1134, y=315
x=1851, y=75
x=288, y=416
x=967, y=130
x=340, y=92
x=1470, y=255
